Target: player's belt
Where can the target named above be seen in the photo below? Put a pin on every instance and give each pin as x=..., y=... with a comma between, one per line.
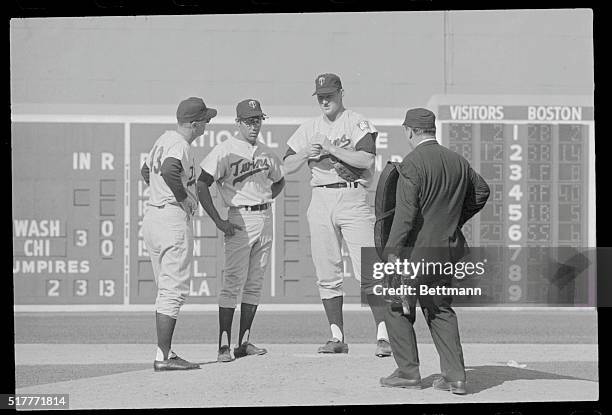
x=340, y=184
x=263, y=206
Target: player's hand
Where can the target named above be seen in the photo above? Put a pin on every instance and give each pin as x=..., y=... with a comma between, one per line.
x=314, y=151
x=326, y=146
x=189, y=206
x=228, y=228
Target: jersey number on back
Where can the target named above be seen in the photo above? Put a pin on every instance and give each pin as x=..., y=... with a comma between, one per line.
x=157, y=151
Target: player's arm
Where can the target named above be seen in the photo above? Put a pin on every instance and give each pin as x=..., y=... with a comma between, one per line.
x=362, y=157
x=406, y=208
x=476, y=197
x=145, y=172
x=277, y=187
x=204, y=182
x=171, y=173
x=293, y=161
x=300, y=141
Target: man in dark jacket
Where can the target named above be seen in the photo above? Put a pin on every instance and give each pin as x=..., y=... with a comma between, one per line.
x=437, y=192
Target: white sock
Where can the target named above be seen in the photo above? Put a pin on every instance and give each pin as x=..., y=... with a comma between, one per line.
x=382, y=334
x=245, y=337
x=160, y=355
x=224, y=339
x=336, y=332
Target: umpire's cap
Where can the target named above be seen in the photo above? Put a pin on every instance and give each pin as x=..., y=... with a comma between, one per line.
x=194, y=109
x=419, y=118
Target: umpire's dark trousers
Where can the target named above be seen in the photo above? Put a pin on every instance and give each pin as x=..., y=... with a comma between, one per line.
x=442, y=322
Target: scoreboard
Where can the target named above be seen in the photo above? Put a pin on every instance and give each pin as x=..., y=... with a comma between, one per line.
x=68, y=213
x=78, y=199
x=538, y=159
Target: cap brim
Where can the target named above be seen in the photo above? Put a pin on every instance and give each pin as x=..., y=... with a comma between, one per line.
x=327, y=90
x=252, y=115
x=210, y=113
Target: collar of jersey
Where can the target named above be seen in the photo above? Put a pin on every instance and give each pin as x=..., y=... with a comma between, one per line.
x=328, y=121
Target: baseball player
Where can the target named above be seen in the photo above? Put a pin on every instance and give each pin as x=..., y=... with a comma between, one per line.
x=248, y=177
x=339, y=148
x=167, y=225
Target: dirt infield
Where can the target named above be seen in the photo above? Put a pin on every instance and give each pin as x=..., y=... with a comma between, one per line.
x=294, y=374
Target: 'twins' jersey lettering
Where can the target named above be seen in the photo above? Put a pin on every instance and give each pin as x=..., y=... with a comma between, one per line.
x=342, y=142
x=244, y=168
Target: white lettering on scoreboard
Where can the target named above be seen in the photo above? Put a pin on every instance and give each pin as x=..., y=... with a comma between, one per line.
x=50, y=230
x=477, y=112
x=554, y=113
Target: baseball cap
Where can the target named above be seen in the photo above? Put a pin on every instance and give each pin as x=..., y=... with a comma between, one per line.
x=194, y=109
x=327, y=83
x=249, y=108
x=420, y=118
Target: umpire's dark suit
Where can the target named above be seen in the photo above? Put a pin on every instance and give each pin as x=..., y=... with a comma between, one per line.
x=437, y=192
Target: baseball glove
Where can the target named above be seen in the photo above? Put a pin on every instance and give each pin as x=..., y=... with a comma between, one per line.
x=346, y=171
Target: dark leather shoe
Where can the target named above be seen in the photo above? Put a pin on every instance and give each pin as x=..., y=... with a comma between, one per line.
x=456, y=387
x=174, y=363
x=224, y=354
x=248, y=349
x=383, y=348
x=394, y=381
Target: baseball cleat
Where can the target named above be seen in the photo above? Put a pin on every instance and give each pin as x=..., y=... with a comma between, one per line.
x=248, y=349
x=457, y=387
x=334, y=346
x=383, y=348
x=224, y=354
x=174, y=363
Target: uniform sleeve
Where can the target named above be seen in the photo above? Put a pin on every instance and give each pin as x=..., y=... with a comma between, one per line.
x=214, y=163
x=289, y=152
x=276, y=169
x=360, y=130
x=407, y=206
x=367, y=144
x=176, y=150
x=299, y=140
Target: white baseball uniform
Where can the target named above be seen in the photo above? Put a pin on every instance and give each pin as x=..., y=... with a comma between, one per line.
x=244, y=174
x=336, y=213
x=167, y=228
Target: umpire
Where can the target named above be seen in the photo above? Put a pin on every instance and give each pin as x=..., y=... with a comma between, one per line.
x=437, y=192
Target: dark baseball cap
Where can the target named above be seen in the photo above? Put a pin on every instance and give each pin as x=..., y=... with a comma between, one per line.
x=194, y=109
x=327, y=83
x=420, y=118
x=249, y=108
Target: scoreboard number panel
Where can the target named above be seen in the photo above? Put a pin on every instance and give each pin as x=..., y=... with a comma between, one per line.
x=67, y=213
x=538, y=159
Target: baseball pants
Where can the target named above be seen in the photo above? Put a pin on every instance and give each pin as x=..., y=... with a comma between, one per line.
x=335, y=214
x=247, y=254
x=168, y=236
